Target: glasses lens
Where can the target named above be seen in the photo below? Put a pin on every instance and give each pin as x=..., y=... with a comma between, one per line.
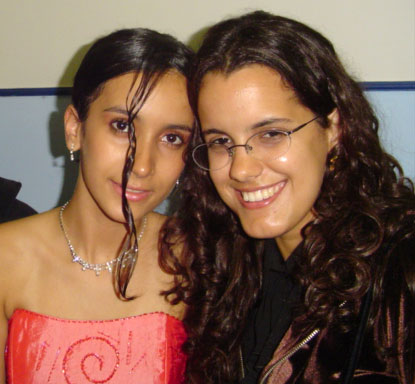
x=211, y=156
x=269, y=145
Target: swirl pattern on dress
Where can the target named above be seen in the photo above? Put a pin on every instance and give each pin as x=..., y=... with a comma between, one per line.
x=140, y=349
x=95, y=364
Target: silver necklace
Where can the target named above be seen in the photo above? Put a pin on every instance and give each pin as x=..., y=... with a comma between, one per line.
x=97, y=268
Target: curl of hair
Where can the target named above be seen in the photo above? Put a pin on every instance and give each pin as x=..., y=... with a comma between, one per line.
x=365, y=209
x=218, y=267
x=149, y=55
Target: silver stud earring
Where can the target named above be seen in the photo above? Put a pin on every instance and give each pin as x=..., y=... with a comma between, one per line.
x=177, y=182
x=71, y=154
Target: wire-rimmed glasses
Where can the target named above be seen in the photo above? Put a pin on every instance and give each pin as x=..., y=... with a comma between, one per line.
x=264, y=145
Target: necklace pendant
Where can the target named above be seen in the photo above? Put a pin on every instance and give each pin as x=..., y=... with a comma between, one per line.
x=97, y=268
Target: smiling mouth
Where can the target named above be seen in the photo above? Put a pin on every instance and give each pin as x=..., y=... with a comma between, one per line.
x=133, y=190
x=261, y=194
x=132, y=193
x=130, y=189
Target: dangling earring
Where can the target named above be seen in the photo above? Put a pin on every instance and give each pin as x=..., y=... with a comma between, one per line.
x=71, y=154
x=332, y=163
x=175, y=187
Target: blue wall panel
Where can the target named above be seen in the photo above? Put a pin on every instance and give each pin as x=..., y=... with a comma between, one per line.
x=396, y=112
x=32, y=148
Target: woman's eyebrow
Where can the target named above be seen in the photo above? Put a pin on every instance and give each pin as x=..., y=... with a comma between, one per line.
x=181, y=127
x=260, y=124
x=120, y=110
x=211, y=131
x=271, y=120
x=123, y=111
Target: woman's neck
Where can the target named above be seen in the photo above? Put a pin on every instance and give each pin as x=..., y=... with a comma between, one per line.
x=95, y=237
x=290, y=240
x=287, y=245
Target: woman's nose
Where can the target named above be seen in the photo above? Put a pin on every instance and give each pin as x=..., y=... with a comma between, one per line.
x=244, y=166
x=143, y=162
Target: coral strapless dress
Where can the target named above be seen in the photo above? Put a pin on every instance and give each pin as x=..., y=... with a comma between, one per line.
x=140, y=349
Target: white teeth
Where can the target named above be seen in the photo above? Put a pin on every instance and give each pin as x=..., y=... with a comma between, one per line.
x=261, y=194
x=132, y=190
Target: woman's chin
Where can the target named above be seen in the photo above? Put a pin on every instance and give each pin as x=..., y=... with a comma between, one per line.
x=258, y=230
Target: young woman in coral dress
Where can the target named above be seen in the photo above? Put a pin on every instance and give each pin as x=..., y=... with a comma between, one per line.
x=80, y=284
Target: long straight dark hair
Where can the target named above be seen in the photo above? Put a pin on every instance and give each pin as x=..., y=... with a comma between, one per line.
x=149, y=54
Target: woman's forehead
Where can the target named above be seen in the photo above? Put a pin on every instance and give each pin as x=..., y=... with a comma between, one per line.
x=246, y=97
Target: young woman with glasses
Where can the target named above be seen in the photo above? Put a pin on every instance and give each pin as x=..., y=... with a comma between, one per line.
x=300, y=236
x=80, y=284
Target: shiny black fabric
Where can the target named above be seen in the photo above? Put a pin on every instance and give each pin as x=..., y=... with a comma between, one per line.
x=272, y=316
x=10, y=207
x=326, y=357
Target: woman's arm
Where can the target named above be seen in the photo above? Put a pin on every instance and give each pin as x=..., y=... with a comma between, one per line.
x=11, y=263
x=3, y=338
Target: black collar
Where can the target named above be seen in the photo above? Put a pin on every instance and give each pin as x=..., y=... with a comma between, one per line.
x=274, y=262
x=8, y=191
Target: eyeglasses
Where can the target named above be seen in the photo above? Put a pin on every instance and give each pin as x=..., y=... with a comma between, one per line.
x=264, y=145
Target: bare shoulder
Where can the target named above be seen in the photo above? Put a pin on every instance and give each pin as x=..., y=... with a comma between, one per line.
x=19, y=234
x=20, y=241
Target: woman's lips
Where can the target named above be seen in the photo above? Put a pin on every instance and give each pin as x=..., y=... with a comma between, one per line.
x=131, y=193
x=261, y=197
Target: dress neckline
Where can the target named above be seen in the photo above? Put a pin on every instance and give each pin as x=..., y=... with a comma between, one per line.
x=61, y=319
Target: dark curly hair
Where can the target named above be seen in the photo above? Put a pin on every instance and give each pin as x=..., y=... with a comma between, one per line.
x=364, y=211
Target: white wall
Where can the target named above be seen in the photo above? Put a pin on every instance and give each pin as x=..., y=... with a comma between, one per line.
x=41, y=41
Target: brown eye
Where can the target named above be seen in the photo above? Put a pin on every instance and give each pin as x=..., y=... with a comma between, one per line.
x=272, y=136
x=120, y=126
x=221, y=140
x=172, y=139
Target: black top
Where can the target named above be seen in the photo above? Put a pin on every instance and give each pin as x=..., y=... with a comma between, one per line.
x=10, y=207
x=272, y=315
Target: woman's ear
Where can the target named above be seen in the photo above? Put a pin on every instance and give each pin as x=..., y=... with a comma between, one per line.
x=73, y=127
x=333, y=128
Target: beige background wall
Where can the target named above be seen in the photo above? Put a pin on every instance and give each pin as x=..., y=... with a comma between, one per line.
x=42, y=41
